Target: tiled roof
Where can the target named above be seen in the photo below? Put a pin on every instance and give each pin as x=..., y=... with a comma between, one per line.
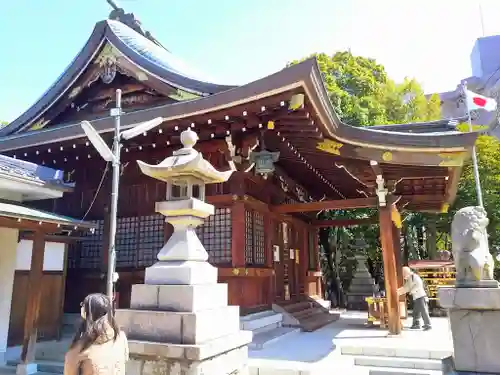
x=32, y=172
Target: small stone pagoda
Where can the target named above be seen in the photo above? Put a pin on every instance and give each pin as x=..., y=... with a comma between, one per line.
x=179, y=321
x=362, y=283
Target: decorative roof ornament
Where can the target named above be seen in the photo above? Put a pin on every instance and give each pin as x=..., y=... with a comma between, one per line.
x=130, y=20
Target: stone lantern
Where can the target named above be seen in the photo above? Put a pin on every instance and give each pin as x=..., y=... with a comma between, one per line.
x=183, y=259
x=179, y=321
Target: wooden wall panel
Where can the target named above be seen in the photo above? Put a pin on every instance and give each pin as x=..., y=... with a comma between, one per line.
x=50, y=313
x=248, y=292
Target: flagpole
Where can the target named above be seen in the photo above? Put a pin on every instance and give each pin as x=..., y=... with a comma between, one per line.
x=474, y=155
x=481, y=17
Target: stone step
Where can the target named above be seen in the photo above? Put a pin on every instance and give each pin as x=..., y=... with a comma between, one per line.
x=44, y=367
x=377, y=351
x=318, y=320
x=305, y=314
x=52, y=350
x=399, y=371
x=260, y=321
x=256, y=315
x=399, y=362
x=298, y=306
x=262, y=339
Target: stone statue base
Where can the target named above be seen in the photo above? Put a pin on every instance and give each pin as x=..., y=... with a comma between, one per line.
x=477, y=284
x=474, y=314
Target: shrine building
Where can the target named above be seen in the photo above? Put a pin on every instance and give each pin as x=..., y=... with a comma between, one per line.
x=263, y=235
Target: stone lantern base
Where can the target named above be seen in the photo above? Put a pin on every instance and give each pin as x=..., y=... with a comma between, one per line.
x=179, y=321
x=474, y=314
x=184, y=329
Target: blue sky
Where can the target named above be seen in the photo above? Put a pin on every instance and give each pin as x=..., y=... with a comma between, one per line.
x=237, y=41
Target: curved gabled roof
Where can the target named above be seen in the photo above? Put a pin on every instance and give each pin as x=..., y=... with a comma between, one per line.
x=304, y=75
x=155, y=61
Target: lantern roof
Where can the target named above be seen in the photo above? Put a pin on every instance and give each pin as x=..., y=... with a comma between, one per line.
x=185, y=164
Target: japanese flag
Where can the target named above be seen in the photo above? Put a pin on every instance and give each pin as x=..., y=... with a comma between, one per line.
x=476, y=101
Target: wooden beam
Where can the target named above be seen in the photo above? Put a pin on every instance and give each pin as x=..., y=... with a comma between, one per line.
x=390, y=272
x=52, y=237
x=341, y=204
x=238, y=234
x=28, y=225
x=343, y=222
x=33, y=299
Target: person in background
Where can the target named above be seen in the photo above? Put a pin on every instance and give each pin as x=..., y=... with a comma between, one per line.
x=99, y=347
x=413, y=284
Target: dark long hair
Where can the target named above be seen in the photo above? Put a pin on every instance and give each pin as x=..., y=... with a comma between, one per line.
x=98, y=317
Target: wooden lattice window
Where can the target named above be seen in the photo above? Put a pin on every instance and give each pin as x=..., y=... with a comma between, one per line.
x=90, y=254
x=126, y=241
x=255, y=249
x=151, y=239
x=215, y=235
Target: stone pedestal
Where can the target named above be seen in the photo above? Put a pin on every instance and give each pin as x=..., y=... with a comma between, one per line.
x=179, y=321
x=474, y=315
x=184, y=329
x=362, y=286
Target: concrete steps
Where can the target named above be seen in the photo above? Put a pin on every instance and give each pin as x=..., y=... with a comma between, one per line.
x=44, y=367
x=390, y=361
x=267, y=328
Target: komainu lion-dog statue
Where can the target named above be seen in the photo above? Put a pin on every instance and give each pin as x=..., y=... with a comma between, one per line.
x=473, y=260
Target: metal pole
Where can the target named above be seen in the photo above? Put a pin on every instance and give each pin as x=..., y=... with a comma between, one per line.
x=481, y=18
x=116, y=113
x=474, y=155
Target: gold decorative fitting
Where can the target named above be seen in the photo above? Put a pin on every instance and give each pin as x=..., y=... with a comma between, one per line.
x=387, y=156
x=236, y=271
x=396, y=217
x=329, y=146
x=296, y=102
x=109, y=55
x=40, y=124
x=74, y=92
x=452, y=159
x=270, y=125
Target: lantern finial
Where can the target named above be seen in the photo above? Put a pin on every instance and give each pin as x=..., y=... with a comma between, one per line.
x=189, y=138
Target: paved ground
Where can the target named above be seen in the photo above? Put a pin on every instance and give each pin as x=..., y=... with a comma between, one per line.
x=310, y=352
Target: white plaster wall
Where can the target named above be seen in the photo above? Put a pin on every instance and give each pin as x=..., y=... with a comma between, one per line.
x=53, y=259
x=8, y=241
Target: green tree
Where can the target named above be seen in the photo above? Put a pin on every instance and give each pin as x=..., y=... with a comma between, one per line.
x=3, y=124
x=363, y=94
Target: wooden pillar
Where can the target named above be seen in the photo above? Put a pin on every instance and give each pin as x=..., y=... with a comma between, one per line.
x=396, y=235
x=34, y=299
x=238, y=234
x=390, y=273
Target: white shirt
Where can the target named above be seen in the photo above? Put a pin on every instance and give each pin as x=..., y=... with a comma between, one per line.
x=415, y=286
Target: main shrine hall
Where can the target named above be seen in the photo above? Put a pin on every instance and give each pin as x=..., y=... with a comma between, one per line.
x=263, y=235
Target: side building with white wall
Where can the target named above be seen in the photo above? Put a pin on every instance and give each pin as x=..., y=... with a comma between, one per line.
x=24, y=232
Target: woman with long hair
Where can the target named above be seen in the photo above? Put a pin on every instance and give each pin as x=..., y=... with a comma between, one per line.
x=99, y=347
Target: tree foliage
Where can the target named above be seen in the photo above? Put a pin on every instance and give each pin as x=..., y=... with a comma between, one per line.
x=363, y=94
x=3, y=124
